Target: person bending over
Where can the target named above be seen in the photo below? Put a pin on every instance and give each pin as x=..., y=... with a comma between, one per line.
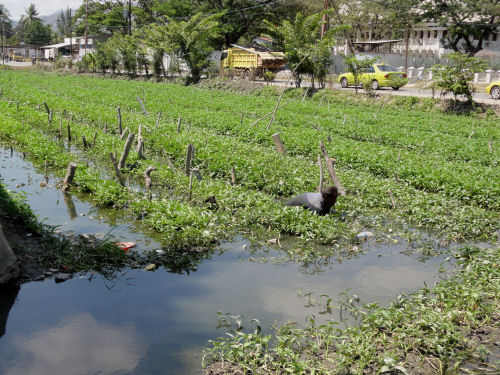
x=319, y=203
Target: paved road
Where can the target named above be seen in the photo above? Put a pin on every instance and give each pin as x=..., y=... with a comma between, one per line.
x=408, y=90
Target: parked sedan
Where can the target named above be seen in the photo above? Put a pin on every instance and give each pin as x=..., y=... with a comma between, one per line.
x=493, y=89
x=379, y=75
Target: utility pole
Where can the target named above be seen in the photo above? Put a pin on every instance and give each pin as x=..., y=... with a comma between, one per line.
x=406, y=45
x=3, y=45
x=129, y=17
x=70, y=36
x=323, y=25
x=86, y=23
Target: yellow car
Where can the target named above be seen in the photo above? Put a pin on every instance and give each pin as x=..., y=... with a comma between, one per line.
x=493, y=89
x=379, y=75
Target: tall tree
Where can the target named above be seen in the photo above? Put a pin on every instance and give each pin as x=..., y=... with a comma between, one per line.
x=192, y=40
x=104, y=17
x=64, y=23
x=36, y=33
x=305, y=51
x=469, y=22
x=5, y=22
x=30, y=16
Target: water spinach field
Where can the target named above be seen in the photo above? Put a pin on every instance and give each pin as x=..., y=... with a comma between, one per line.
x=202, y=192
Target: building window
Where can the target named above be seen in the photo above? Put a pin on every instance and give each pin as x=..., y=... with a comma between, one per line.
x=416, y=34
x=494, y=37
x=445, y=33
x=428, y=34
x=422, y=34
x=435, y=34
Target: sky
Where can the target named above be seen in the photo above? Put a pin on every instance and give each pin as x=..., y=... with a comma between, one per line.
x=17, y=8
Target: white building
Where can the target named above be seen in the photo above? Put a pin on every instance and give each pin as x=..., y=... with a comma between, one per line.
x=75, y=46
x=426, y=40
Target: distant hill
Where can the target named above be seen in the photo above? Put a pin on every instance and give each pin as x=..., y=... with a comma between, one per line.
x=51, y=19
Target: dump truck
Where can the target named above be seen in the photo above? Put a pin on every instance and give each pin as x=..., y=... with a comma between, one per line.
x=241, y=58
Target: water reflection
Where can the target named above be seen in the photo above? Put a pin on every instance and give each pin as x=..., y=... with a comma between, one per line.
x=7, y=298
x=70, y=205
x=77, y=345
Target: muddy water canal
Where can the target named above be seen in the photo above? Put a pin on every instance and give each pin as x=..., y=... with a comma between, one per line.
x=158, y=322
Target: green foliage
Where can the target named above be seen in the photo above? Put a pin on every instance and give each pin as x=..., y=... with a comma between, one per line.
x=106, y=58
x=305, y=51
x=440, y=176
x=192, y=41
x=65, y=23
x=357, y=67
x=36, y=33
x=469, y=22
x=456, y=77
x=269, y=76
x=430, y=323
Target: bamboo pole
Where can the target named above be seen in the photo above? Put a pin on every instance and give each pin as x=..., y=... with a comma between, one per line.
x=126, y=150
x=320, y=164
x=278, y=143
x=117, y=170
x=70, y=174
x=119, y=120
x=189, y=159
x=331, y=169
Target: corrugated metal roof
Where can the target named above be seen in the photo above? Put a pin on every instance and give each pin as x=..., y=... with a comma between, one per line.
x=59, y=45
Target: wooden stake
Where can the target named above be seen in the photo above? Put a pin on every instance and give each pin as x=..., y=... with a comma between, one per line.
x=139, y=134
x=278, y=143
x=60, y=128
x=149, y=183
x=140, y=149
x=119, y=120
x=46, y=108
x=142, y=106
x=70, y=174
x=490, y=145
x=51, y=114
x=69, y=132
x=85, y=145
x=126, y=150
x=305, y=93
x=105, y=127
x=320, y=164
x=124, y=133
x=17, y=107
x=179, y=120
x=345, y=117
x=158, y=120
x=233, y=176
x=117, y=170
x=190, y=185
x=241, y=118
x=331, y=169
x=196, y=173
x=393, y=202
x=45, y=167
x=189, y=159
x=170, y=164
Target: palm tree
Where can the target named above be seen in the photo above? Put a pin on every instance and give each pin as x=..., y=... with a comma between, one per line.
x=31, y=15
x=4, y=22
